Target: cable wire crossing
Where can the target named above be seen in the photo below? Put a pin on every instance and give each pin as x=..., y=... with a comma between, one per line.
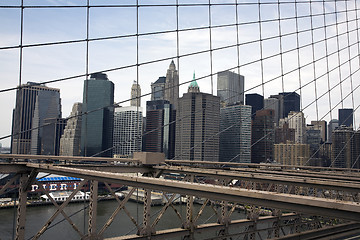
x=92, y=88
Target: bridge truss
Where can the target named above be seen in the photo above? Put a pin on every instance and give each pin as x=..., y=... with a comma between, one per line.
x=278, y=201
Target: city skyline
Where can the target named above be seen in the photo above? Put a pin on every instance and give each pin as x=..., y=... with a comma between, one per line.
x=43, y=63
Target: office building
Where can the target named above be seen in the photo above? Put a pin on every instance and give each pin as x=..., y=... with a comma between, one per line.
x=158, y=89
x=283, y=134
x=98, y=118
x=274, y=104
x=256, y=101
x=291, y=153
x=128, y=129
x=235, y=136
x=333, y=124
x=135, y=95
x=34, y=103
x=296, y=120
x=47, y=106
x=345, y=148
x=160, y=128
x=289, y=101
x=313, y=138
x=197, y=126
x=263, y=136
x=171, y=92
x=52, y=131
x=70, y=139
x=167, y=88
x=346, y=117
x=322, y=126
x=230, y=87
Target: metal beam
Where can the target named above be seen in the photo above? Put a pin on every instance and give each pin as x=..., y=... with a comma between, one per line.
x=259, y=165
x=13, y=168
x=92, y=233
x=179, y=232
x=21, y=209
x=8, y=184
x=65, y=158
x=340, y=185
x=311, y=205
x=111, y=168
x=329, y=232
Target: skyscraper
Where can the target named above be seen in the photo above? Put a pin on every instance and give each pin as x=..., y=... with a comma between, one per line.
x=135, y=95
x=296, y=121
x=230, y=87
x=98, y=118
x=291, y=153
x=289, y=101
x=263, y=136
x=333, y=124
x=283, y=134
x=160, y=128
x=256, y=101
x=127, y=131
x=322, y=126
x=158, y=89
x=273, y=103
x=346, y=117
x=235, y=136
x=47, y=106
x=52, y=131
x=171, y=92
x=344, y=153
x=197, y=126
x=70, y=140
x=34, y=103
x=313, y=138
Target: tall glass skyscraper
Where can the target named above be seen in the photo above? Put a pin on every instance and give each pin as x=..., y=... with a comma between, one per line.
x=288, y=101
x=230, y=87
x=160, y=127
x=346, y=117
x=235, y=136
x=34, y=104
x=98, y=118
x=256, y=101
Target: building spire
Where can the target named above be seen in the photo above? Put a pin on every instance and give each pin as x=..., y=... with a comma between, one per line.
x=194, y=87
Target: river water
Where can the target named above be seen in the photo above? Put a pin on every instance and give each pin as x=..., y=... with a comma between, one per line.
x=37, y=216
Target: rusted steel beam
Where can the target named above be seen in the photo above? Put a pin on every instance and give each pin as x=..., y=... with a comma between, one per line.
x=178, y=232
x=65, y=158
x=341, y=185
x=312, y=205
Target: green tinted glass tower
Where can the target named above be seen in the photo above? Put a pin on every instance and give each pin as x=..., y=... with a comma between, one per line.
x=98, y=118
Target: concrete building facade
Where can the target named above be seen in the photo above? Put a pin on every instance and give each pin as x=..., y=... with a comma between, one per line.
x=291, y=153
x=128, y=129
x=197, y=126
x=296, y=120
x=71, y=138
x=135, y=95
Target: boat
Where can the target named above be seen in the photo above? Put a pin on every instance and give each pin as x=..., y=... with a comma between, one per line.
x=62, y=196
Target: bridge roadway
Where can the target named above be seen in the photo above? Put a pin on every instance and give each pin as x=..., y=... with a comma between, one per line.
x=310, y=191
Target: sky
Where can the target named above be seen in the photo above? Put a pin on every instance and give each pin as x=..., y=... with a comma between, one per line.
x=189, y=49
